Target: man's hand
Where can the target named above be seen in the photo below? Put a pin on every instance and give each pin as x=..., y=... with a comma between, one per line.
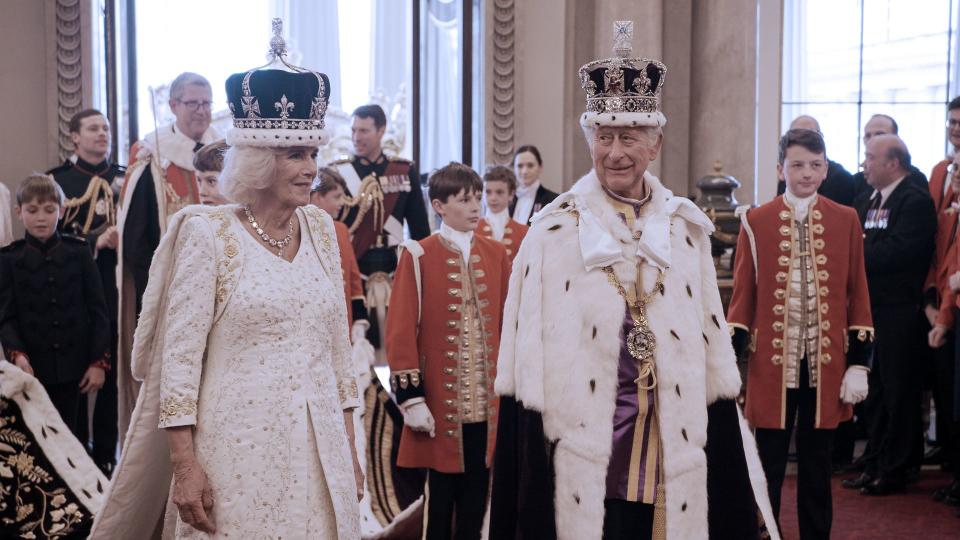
x=931, y=313
x=92, y=380
x=938, y=336
x=193, y=495
x=954, y=282
x=21, y=361
x=854, y=387
x=109, y=239
x=418, y=418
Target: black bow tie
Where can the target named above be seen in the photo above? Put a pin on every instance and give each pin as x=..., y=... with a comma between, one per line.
x=197, y=147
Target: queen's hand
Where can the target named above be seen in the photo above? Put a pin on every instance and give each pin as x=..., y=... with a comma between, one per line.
x=357, y=473
x=193, y=495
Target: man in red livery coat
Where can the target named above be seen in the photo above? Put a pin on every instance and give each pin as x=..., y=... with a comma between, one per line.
x=443, y=335
x=801, y=308
x=499, y=188
x=939, y=302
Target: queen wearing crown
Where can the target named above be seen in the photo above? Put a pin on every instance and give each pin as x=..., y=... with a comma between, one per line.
x=616, y=374
x=243, y=426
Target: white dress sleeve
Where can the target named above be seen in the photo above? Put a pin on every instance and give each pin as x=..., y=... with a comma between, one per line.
x=191, y=300
x=342, y=357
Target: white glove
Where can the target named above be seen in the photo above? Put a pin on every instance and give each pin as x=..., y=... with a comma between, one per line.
x=854, y=387
x=362, y=353
x=417, y=416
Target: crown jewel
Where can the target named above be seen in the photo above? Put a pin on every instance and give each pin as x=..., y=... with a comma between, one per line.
x=622, y=83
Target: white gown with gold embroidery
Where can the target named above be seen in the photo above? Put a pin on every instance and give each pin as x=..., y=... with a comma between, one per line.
x=261, y=385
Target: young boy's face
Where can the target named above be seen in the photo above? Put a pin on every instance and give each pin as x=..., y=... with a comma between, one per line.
x=460, y=212
x=210, y=188
x=331, y=202
x=39, y=218
x=802, y=170
x=498, y=195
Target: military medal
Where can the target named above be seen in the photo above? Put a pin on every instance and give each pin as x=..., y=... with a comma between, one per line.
x=641, y=341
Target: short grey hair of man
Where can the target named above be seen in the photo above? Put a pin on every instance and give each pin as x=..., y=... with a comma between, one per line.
x=898, y=151
x=589, y=132
x=184, y=79
x=246, y=171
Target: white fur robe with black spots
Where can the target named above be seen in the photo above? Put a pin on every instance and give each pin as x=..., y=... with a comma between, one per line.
x=557, y=374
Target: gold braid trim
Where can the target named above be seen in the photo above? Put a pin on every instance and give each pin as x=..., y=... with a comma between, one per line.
x=97, y=189
x=370, y=196
x=176, y=407
x=347, y=389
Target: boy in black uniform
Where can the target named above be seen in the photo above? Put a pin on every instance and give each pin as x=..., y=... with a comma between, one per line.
x=53, y=318
x=89, y=182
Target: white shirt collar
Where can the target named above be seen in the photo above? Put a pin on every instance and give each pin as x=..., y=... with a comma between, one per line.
x=800, y=205
x=458, y=238
x=498, y=222
x=530, y=191
x=887, y=191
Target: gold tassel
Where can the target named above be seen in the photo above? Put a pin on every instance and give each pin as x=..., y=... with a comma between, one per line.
x=660, y=514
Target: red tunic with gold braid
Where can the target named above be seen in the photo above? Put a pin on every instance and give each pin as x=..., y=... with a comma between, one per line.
x=352, y=282
x=450, y=359
x=944, y=255
x=513, y=235
x=840, y=304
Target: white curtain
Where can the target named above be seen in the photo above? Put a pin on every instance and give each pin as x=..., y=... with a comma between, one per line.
x=313, y=38
x=441, y=95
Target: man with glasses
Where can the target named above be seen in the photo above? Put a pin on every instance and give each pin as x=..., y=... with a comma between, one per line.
x=940, y=303
x=160, y=181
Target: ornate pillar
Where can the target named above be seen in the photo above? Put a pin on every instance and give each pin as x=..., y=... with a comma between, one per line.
x=69, y=69
x=500, y=60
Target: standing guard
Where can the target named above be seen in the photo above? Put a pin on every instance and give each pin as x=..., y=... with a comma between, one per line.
x=383, y=194
x=90, y=183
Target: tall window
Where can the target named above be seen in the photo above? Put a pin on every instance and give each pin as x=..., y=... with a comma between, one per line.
x=845, y=60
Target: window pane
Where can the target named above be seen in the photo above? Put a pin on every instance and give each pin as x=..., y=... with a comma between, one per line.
x=179, y=35
x=905, y=49
x=815, y=68
x=839, y=126
x=922, y=128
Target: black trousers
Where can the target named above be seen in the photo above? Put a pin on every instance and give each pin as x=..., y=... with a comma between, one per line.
x=455, y=502
x=625, y=520
x=814, y=461
x=893, y=404
x=104, y=422
x=66, y=399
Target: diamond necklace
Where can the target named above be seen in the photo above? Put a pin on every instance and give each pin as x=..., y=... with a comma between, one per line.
x=641, y=341
x=267, y=239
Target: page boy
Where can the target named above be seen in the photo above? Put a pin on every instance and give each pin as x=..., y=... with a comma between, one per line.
x=801, y=312
x=53, y=316
x=208, y=162
x=443, y=334
x=499, y=187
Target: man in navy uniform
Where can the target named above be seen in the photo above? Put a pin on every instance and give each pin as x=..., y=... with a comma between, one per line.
x=899, y=223
x=89, y=181
x=383, y=195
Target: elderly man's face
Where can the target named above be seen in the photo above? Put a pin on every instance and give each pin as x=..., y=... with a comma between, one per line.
x=192, y=110
x=622, y=154
x=877, y=168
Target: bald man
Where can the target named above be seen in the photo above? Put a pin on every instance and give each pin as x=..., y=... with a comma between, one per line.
x=882, y=124
x=838, y=186
x=899, y=223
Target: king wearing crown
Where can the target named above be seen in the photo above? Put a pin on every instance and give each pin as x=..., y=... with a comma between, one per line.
x=616, y=375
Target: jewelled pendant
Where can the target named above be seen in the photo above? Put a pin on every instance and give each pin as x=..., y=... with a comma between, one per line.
x=641, y=342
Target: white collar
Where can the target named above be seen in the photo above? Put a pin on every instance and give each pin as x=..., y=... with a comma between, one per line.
x=528, y=191
x=499, y=218
x=887, y=191
x=800, y=205
x=458, y=238
x=600, y=227
x=175, y=147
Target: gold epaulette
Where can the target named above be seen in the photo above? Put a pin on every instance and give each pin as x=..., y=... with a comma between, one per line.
x=399, y=159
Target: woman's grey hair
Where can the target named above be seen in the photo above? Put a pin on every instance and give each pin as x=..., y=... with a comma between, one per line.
x=247, y=170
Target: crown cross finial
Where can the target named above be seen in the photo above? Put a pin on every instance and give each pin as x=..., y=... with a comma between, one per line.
x=623, y=38
x=278, y=47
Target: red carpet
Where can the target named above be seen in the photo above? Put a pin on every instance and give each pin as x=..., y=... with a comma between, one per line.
x=913, y=515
